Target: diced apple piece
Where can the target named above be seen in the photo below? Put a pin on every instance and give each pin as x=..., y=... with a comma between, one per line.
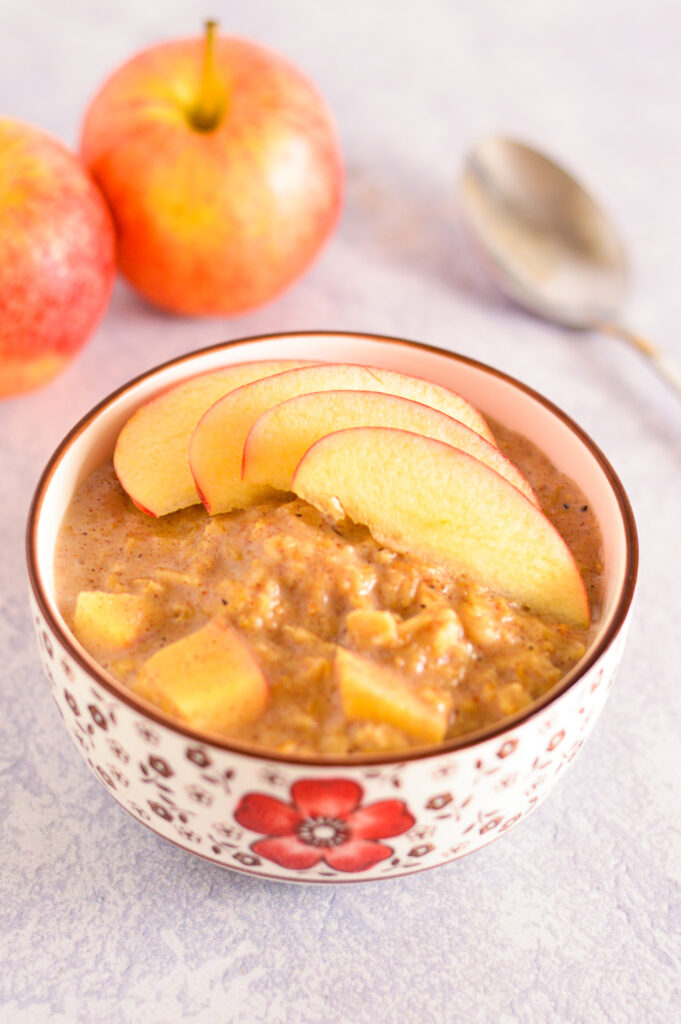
x=109, y=620
x=369, y=627
x=216, y=448
x=209, y=679
x=280, y=437
x=376, y=693
x=152, y=452
x=422, y=496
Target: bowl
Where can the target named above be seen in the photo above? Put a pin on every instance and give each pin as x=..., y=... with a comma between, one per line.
x=340, y=819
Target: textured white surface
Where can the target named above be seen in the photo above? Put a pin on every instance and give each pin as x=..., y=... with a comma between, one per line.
x=576, y=915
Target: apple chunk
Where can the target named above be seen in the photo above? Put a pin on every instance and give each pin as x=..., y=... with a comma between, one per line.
x=422, y=496
x=380, y=694
x=216, y=448
x=109, y=620
x=152, y=452
x=280, y=437
x=209, y=679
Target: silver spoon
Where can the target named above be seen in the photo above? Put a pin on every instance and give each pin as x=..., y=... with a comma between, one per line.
x=547, y=244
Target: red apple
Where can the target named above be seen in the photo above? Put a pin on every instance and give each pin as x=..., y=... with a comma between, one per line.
x=58, y=256
x=221, y=165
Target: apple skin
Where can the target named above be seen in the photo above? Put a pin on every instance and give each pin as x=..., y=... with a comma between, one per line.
x=423, y=497
x=280, y=436
x=216, y=448
x=151, y=457
x=217, y=221
x=58, y=256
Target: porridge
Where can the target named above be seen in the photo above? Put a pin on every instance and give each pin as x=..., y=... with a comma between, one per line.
x=351, y=647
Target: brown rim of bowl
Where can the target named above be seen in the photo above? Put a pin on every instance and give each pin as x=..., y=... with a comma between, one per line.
x=410, y=754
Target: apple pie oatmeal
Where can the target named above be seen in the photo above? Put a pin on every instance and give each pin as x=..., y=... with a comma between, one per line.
x=339, y=644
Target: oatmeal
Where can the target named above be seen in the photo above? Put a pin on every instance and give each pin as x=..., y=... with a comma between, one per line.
x=297, y=588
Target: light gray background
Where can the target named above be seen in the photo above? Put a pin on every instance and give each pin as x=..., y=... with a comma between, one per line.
x=575, y=916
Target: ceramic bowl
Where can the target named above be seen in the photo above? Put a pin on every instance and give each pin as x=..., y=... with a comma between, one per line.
x=340, y=820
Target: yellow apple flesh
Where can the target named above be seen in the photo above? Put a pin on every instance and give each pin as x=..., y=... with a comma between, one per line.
x=152, y=451
x=280, y=437
x=222, y=168
x=209, y=679
x=109, y=620
x=217, y=444
x=421, y=496
x=376, y=693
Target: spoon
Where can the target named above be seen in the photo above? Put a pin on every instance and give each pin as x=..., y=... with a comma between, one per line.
x=547, y=244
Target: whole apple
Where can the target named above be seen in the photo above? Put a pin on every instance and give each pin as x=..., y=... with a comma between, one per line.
x=222, y=168
x=58, y=256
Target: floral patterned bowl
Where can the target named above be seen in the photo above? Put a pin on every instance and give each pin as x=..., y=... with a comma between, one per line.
x=338, y=820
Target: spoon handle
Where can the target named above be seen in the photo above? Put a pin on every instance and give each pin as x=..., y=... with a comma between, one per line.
x=670, y=373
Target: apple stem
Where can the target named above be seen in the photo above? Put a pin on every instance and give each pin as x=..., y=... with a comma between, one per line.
x=207, y=111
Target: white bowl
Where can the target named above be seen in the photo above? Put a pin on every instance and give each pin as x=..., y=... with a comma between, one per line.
x=297, y=818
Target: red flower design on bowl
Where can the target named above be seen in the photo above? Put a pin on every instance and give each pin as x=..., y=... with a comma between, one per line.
x=324, y=821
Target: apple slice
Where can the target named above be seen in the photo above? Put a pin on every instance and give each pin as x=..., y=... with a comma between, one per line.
x=209, y=679
x=109, y=620
x=151, y=457
x=280, y=437
x=421, y=496
x=381, y=694
x=216, y=448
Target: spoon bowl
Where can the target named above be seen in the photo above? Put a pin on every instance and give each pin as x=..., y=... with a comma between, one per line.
x=544, y=240
x=547, y=244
